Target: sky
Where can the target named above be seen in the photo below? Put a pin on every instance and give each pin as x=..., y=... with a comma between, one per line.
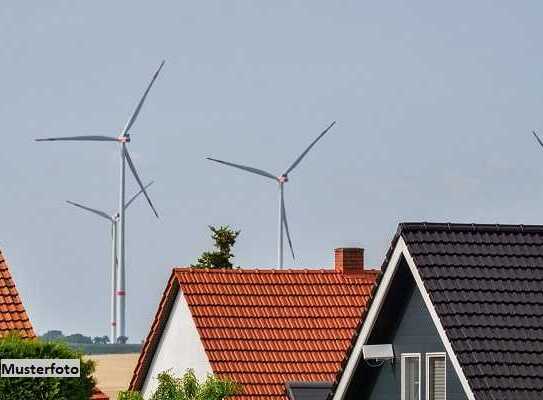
x=434, y=103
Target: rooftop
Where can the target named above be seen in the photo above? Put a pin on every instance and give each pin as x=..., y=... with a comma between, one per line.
x=486, y=284
x=263, y=328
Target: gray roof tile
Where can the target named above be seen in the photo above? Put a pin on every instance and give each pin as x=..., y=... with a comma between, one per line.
x=486, y=282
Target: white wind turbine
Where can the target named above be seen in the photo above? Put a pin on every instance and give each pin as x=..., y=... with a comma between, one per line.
x=122, y=139
x=281, y=180
x=114, y=219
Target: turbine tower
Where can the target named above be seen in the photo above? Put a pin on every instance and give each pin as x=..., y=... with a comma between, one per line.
x=281, y=180
x=114, y=219
x=123, y=139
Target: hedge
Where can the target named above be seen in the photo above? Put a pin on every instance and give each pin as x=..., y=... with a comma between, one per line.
x=80, y=388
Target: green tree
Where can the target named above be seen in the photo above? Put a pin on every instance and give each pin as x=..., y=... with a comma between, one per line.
x=122, y=340
x=52, y=335
x=187, y=387
x=100, y=340
x=78, y=338
x=224, y=238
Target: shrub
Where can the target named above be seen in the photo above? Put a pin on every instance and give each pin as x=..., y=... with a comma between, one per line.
x=129, y=395
x=187, y=387
x=80, y=388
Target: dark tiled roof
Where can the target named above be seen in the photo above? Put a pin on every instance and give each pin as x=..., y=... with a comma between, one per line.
x=13, y=317
x=308, y=390
x=486, y=284
x=263, y=328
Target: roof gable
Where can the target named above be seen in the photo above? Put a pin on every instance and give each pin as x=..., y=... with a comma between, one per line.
x=486, y=284
x=483, y=286
x=13, y=316
x=263, y=328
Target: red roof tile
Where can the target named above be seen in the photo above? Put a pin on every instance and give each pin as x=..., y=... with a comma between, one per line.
x=13, y=316
x=97, y=394
x=262, y=328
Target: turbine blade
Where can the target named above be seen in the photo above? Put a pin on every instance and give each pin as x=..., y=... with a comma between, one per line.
x=136, y=195
x=92, y=210
x=295, y=163
x=88, y=138
x=538, y=138
x=135, y=173
x=285, y=224
x=245, y=168
x=142, y=100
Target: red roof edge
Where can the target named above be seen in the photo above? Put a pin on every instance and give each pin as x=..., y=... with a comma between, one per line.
x=97, y=394
x=28, y=331
x=155, y=333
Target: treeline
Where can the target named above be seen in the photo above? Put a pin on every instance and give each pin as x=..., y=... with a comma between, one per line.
x=75, y=338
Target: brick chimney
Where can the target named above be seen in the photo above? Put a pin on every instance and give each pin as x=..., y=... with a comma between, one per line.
x=349, y=259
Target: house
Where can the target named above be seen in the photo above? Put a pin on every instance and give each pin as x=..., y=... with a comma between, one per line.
x=458, y=314
x=264, y=329
x=13, y=316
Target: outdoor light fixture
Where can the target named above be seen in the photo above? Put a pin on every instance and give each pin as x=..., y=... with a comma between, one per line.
x=378, y=352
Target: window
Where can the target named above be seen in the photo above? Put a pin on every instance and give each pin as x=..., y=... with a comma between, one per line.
x=410, y=376
x=435, y=376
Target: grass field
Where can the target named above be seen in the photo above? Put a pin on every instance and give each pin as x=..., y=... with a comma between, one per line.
x=113, y=371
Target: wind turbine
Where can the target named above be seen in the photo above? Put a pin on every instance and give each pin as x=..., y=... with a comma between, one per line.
x=123, y=139
x=281, y=180
x=114, y=219
x=537, y=138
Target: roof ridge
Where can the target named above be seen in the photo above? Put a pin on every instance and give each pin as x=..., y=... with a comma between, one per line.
x=272, y=271
x=455, y=226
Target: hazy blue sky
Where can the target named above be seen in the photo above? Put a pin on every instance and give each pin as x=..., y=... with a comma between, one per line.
x=434, y=102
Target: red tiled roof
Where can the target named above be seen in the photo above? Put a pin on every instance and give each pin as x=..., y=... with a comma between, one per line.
x=13, y=316
x=97, y=394
x=262, y=328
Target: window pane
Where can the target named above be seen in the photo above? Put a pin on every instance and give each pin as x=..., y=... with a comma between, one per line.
x=436, y=378
x=411, y=378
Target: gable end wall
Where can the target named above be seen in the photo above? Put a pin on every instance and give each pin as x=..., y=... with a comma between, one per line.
x=414, y=332
x=179, y=348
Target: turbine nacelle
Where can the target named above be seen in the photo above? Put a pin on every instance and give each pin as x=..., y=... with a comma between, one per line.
x=115, y=217
x=281, y=179
x=124, y=138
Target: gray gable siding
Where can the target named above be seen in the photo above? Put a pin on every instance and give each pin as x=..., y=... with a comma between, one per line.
x=405, y=322
x=416, y=333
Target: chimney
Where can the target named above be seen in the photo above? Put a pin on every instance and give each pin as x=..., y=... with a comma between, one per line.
x=349, y=259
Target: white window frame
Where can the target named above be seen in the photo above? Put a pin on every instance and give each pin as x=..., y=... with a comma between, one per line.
x=427, y=364
x=404, y=356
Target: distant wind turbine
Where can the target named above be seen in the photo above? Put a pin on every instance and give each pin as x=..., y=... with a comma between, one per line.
x=281, y=180
x=123, y=139
x=114, y=219
x=537, y=138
